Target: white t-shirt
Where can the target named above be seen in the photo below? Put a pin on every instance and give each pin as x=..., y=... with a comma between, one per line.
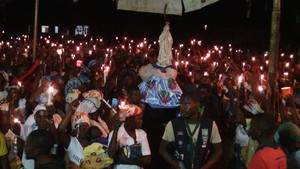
x=124, y=139
x=28, y=164
x=29, y=126
x=75, y=151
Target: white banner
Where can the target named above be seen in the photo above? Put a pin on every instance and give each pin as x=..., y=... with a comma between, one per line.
x=174, y=7
x=192, y=5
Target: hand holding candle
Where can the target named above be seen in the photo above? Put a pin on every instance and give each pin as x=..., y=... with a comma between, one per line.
x=106, y=71
x=123, y=109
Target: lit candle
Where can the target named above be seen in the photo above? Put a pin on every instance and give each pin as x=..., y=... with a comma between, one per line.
x=78, y=63
x=287, y=64
x=59, y=52
x=261, y=78
x=111, y=52
x=176, y=64
x=122, y=104
x=261, y=67
x=16, y=120
x=50, y=91
x=260, y=88
x=220, y=76
x=106, y=70
x=240, y=79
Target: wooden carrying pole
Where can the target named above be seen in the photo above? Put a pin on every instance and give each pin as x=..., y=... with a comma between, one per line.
x=35, y=29
x=274, y=52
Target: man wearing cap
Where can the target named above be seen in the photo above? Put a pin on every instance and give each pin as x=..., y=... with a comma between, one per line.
x=128, y=143
x=289, y=138
x=39, y=120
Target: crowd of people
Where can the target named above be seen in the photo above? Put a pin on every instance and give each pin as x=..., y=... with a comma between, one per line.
x=77, y=104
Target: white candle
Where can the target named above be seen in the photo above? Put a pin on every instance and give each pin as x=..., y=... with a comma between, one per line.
x=104, y=76
x=122, y=104
x=50, y=91
x=106, y=70
x=16, y=120
x=260, y=88
x=240, y=79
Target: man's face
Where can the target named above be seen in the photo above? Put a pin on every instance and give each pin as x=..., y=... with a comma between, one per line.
x=83, y=129
x=41, y=119
x=203, y=94
x=188, y=107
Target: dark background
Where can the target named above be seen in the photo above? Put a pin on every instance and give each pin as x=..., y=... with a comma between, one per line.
x=226, y=20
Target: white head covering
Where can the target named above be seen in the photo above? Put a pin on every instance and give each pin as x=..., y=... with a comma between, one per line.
x=87, y=106
x=165, y=47
x=73, y=95
x=253, y=107
x=91, y=102
x=38, y=108
x=79, y=118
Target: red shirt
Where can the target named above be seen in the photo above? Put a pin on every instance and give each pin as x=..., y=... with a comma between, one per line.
x=268, y=158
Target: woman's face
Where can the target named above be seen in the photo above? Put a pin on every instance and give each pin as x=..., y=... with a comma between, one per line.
x=84, y=129
x=13, y=95
x=138, y=121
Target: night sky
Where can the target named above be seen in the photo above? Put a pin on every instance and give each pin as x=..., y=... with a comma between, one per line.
x=225, y=19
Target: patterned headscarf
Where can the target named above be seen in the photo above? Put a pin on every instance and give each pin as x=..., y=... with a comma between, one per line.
x=75, y=82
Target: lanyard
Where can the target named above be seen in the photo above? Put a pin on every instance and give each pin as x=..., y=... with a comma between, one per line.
x=201, y=110
x=192, y=145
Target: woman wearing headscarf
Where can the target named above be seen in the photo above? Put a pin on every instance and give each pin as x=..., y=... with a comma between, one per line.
x=79, y=140
x=128, y=143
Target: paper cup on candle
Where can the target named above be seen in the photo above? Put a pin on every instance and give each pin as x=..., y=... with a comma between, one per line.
x=285, y=91
x=78, y=63
x=123, y=110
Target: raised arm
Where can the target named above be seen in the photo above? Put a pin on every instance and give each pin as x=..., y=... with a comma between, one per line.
x=63, y=137
x=113, y=142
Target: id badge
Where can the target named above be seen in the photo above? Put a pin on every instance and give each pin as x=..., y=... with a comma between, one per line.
x=204, y=137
